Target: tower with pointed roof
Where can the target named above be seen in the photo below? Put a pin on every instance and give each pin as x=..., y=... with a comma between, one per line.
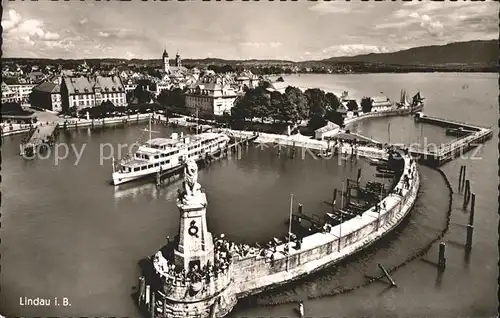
x=178, y=59
x=166, y=63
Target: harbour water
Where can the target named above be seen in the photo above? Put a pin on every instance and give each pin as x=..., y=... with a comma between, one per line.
x=66, y=232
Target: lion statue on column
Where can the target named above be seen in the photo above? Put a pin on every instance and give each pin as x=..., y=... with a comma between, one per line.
x=191, y=185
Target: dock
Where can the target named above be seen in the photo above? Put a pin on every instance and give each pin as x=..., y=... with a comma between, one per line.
x=40, y=135
x=453, y=149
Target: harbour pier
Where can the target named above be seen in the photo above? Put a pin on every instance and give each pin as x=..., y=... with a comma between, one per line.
x=453, y=149
x=40, y=136
x=200, y=275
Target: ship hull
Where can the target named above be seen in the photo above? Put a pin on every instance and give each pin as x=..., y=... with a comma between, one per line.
x=120, y=177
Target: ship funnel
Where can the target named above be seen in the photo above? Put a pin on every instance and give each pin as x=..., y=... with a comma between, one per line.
x=174, y=136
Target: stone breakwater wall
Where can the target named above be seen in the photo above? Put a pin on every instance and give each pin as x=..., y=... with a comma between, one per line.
x=253, y=274
x=74, y=123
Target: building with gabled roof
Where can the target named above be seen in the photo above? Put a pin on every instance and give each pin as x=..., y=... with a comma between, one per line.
x=328, y=130
x=381, y=103
x=47, y=95
x=82, y=92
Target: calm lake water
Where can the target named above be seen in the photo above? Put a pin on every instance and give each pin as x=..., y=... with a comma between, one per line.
x=66, y=232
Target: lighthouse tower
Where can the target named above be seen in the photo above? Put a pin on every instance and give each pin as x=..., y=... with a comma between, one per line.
x=166, y=63
x=195, y=247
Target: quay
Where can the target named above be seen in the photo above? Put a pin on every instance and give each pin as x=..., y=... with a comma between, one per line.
x=42, y=135
x=199, y=275
x=453, y=149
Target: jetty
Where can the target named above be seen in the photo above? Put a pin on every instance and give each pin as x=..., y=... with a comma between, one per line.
x=42, y=135
x=453, y=149
x=200, y=275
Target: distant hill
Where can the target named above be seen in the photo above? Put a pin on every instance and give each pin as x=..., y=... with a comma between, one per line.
x=468, y=53
x=475, y=56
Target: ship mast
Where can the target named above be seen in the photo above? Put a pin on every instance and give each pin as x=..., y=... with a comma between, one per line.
x=341, y=212
x=150, y=131
x=197, y=120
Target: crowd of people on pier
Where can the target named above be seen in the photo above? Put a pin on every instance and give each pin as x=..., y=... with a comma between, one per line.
x=168, y=271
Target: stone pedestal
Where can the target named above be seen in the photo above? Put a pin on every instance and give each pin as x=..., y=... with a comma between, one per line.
x=195, y=242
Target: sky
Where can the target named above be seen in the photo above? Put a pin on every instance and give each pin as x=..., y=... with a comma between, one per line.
x=237, y=30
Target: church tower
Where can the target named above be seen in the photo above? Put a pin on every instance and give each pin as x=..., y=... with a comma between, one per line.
x=178, y=59
x=166, y=63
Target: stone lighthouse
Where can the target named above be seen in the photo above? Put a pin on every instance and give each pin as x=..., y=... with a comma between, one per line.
x=191, y=276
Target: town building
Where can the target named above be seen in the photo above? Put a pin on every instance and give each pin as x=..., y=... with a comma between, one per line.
x=277, y=87
x=381, y=103
x=210, y=96
x=82, y=92
x=22, y=92
x=47, y=95
x=8, y=96
x=330, y=129
x=247, y=79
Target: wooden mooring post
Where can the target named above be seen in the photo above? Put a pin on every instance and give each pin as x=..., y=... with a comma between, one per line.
x=147, y=294
x=460, y=178
x=468, y=243
x=152, y=304
x=472, y=209
x=393, y=284
x=442, y=258
x=300, y=208
x=466, y=194
x=142, y=286
x=463, y=176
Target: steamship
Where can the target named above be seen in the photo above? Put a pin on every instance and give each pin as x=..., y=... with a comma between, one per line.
x=167, y=153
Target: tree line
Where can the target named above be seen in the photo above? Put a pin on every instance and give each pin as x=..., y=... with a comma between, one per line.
x=291, y=107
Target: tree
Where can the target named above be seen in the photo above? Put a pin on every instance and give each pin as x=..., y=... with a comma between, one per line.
x=366, y=104
x=316, y=100
x=352, y=105
x=275, y=105
x=332, y=102
x=316, y=122
x=336, y=118
x=173, y=98
x=142, y=95
x=295, y=105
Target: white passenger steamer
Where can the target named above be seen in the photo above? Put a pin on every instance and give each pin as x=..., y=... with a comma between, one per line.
x=167, y=153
